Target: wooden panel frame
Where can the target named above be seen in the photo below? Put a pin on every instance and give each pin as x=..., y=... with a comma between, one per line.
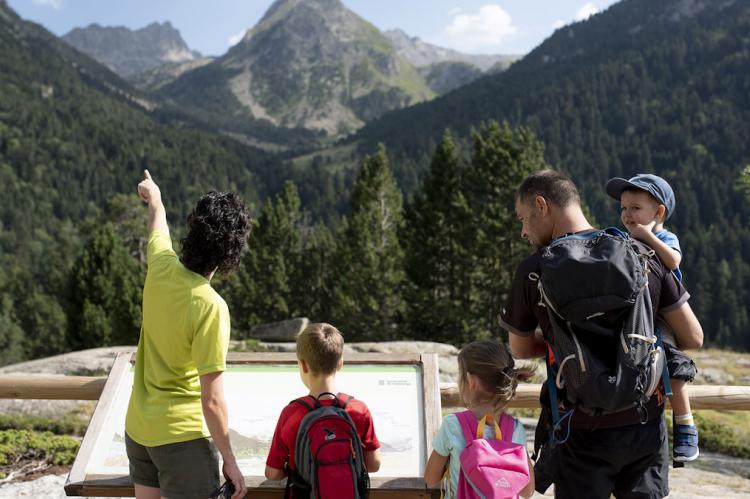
x=80, y=484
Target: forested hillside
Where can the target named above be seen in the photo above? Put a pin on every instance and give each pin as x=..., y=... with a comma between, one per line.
x=72, y=137
x=661, y=87
x=413, y=239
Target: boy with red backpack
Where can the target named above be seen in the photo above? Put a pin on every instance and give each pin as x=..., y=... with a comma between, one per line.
x=324, y=442
x=481, y=452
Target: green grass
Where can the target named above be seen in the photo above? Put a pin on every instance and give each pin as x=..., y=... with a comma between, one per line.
x=73, y=423
x=21, y=447
x=70, y=424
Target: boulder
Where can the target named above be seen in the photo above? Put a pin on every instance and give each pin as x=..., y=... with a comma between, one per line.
x=91, y=362
x=280, y=331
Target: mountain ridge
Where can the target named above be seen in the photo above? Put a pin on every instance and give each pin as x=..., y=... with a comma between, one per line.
x=312, y=64
x=421, y=53
x=132, y=52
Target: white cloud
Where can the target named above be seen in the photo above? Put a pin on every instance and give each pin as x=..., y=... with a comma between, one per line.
x=586, y=11
x=55, y=4
x=558, y=24
x=482, y=31
x=235, y=39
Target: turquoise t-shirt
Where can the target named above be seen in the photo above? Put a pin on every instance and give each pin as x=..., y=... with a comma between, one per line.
x=450, y=442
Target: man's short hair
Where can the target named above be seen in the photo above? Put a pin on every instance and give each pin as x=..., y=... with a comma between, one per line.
x=321, y=346
x=552, y=185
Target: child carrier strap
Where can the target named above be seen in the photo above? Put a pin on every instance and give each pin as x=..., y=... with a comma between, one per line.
x=473, y=429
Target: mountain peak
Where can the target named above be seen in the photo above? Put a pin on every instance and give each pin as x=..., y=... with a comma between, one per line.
x=313, y=64
x=131, y=52
x=282, y=10
x=282, y=7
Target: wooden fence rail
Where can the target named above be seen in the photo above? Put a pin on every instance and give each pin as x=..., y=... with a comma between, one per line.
x=50, y=387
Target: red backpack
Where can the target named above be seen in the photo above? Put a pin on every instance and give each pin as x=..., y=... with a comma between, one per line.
x=328, y=453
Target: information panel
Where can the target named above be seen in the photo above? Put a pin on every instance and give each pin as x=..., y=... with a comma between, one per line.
x=401, y=392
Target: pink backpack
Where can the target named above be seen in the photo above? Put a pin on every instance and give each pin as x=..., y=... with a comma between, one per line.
x=490, y=468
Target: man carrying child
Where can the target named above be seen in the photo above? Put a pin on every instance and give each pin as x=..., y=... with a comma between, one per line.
x=625, y=452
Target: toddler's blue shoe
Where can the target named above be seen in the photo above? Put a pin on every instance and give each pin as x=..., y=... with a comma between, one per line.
x=684, y=442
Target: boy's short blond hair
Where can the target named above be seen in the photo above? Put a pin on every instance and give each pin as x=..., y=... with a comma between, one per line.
x=321, y=346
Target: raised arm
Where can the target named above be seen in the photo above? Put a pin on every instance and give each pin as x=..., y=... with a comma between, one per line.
x=150, y=194
x=668, y=255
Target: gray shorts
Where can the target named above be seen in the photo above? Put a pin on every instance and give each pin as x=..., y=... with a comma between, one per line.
x=680, y=366
x=183, y=470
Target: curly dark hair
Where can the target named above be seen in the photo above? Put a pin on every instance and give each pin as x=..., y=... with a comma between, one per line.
x=218, y=228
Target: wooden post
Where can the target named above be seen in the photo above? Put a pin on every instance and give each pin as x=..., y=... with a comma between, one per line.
x=527, y=396
x=719, y=398
x=52, y=387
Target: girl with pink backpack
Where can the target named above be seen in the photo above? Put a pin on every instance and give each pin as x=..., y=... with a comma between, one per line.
x=481, y=452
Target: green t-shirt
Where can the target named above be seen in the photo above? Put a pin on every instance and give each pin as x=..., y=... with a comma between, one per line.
x=185, y=334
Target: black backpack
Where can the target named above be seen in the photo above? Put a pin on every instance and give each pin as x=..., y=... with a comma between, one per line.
x=328, y=454
x=595, y=288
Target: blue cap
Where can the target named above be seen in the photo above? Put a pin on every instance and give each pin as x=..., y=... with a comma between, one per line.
x=653, y=184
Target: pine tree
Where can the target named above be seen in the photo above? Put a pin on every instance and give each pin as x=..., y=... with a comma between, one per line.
x=264, y=289
x=43, y=319
x=11, y=334
x=316, y=279
x=105, y=293
x=435, y=249
x=369, y=303
x=743, y=182
x=502, y=157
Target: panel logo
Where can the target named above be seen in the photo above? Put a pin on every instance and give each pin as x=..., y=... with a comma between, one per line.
x=501, y=483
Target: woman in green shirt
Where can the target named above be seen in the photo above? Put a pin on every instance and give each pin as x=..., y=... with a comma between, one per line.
x=182, y=352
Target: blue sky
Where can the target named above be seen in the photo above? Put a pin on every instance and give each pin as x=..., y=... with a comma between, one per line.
x=210, y=26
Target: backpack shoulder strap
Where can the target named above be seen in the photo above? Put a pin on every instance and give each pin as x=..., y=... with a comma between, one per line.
x=507, y=425
x=585, y=236
x=343, y=399
x=468, y=423
x=301, y=401
x=614, y=231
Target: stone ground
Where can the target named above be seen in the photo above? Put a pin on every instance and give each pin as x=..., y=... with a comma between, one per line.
x=712, y=476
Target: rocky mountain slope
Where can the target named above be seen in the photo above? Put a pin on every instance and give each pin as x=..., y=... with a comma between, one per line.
x=312, y=64
x=421, y=53
x=131, y=52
